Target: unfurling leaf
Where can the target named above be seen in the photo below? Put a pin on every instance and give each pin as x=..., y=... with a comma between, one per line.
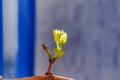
x=60, y=38
x=58, y=53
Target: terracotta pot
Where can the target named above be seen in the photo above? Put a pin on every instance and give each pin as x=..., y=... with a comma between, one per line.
x=41, y=78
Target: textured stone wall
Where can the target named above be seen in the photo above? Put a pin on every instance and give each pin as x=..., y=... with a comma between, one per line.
x=93, y=48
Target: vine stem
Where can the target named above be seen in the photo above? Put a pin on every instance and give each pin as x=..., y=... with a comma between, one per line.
x=48, y=73
x=49, y=67
x=51, y=61
x=48, y=52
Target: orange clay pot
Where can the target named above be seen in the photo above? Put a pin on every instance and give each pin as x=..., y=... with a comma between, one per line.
x=40, y=78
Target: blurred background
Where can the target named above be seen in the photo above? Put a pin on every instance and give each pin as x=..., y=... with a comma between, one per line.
x=93, y=48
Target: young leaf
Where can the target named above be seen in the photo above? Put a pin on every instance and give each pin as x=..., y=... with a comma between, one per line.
x=60, y=38
x=58, y=53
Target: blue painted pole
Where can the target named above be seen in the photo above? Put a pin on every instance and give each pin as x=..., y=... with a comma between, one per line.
x=1, y=40
x=26, y=27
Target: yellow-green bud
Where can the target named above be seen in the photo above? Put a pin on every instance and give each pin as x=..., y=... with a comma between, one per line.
x=60, y=38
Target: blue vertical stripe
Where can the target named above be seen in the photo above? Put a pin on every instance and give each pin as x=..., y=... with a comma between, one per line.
x=1, y=40
x=26, y=27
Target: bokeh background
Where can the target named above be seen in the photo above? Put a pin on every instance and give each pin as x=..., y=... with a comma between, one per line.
x=93, y=48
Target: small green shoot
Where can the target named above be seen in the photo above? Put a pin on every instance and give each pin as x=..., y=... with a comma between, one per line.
x=60, y=38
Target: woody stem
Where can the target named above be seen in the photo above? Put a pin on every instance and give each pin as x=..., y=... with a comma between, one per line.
x=49, y=67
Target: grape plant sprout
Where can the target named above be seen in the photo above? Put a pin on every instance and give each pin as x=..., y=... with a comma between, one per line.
x=60, y=38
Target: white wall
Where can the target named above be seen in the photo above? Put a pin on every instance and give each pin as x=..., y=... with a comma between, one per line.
x=10, y=36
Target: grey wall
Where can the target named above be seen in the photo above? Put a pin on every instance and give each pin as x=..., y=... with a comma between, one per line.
x=93, y=48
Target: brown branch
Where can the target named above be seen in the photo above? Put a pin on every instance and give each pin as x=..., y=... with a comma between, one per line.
x=49, y=67
x=48, y=73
